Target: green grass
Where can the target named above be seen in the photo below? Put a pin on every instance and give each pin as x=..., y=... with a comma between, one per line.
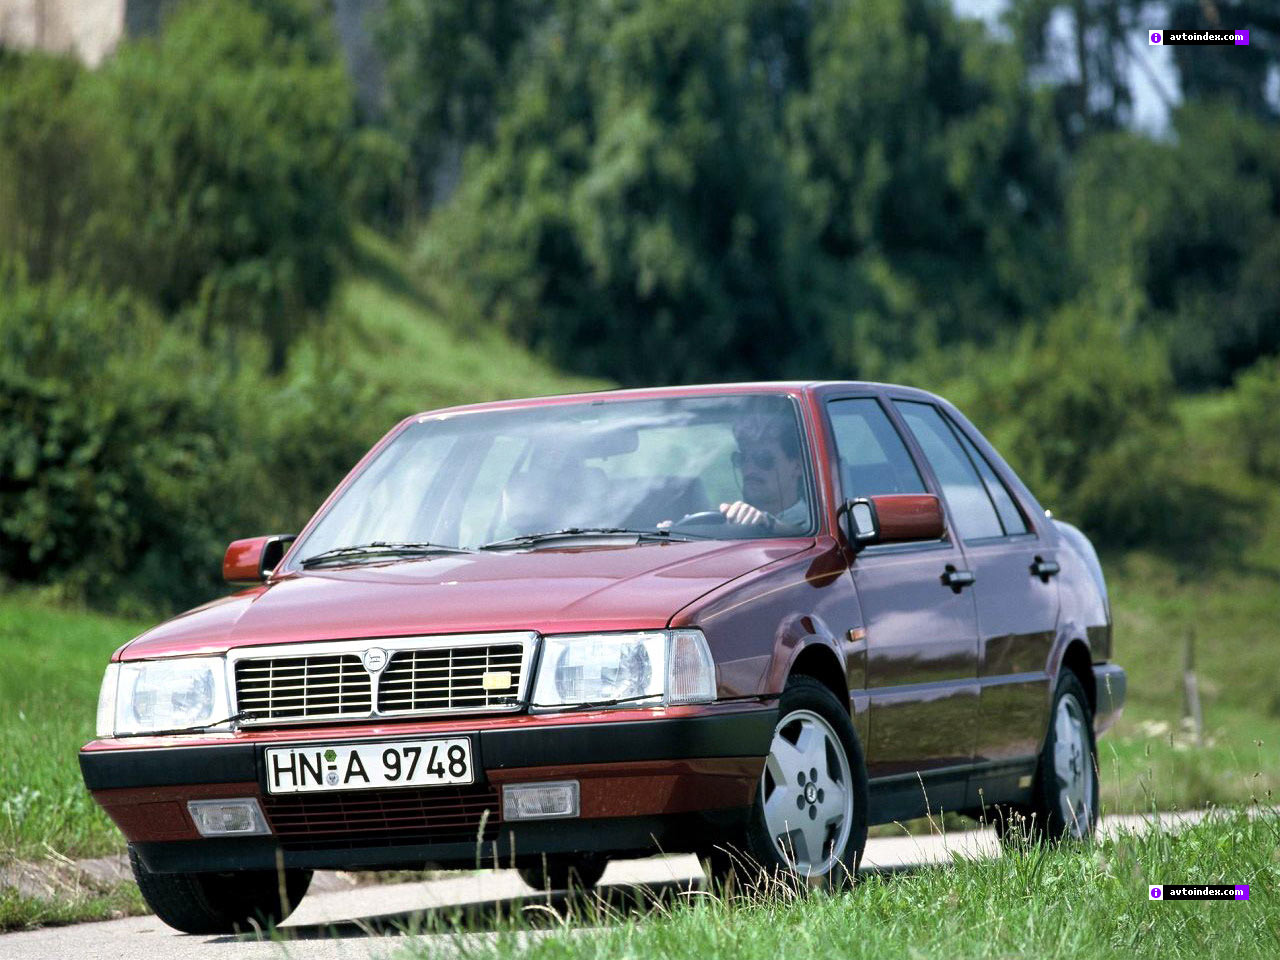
x=402, y=335
x=20, y=912
x=1041, y=903
x=53, y=662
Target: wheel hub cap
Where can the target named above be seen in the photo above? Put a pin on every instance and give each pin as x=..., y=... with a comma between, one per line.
x=1072, y=768
x=806, y=791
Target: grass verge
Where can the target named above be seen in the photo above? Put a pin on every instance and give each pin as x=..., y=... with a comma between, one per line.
x=19, y=911
x=1044, y=903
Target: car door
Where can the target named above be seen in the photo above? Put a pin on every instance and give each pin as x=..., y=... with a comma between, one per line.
x=921, y=635
x=1015, y=592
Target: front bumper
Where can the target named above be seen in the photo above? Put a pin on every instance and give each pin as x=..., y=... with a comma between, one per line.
x=648, y=780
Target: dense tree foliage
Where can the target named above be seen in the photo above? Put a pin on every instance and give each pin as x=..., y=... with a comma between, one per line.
x=646, y=190
x=206, y=170
x=688, y=190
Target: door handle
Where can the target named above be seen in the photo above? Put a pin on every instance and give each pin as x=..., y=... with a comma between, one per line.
x=957, y=580
x=1044, y=569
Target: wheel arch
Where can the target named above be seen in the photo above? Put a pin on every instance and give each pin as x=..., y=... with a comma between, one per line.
x=818, y=661
x=1077, y=658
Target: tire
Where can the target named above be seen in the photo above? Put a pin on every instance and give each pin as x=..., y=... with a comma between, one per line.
x=563, y=871
x=1064, y=795
x=815, y=769
x=209, y=903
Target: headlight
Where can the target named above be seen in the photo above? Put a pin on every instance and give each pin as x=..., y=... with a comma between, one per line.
x=154, y=695
x=642, y=669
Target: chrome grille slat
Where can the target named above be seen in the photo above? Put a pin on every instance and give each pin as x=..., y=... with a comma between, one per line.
x=297, y=683
x=448, y=678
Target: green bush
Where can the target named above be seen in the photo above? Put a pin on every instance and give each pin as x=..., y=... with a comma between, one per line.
x=1082, y=408
x=59, y=165
x=1257, y=420
x=130, y=456
x=234, y=123
x=1194, y=225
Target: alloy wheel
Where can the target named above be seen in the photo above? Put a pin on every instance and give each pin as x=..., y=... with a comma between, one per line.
x=807, y=794
x=1073, y=767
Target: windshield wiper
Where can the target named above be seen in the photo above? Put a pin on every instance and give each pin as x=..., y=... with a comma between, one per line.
x=529, y=539
x=380, y=548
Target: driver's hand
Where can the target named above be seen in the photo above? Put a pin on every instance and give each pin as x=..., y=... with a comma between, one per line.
x=744, y=513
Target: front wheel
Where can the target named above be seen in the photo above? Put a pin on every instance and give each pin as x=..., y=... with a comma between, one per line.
x=809, y=820
x=209, y=903
x=1064, y=798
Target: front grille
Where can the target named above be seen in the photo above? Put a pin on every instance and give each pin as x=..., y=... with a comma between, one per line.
x=451, y=678
x=384, y=818
x=323, y=687
x=328, y=680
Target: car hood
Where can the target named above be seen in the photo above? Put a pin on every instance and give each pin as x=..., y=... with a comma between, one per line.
x=614, y=587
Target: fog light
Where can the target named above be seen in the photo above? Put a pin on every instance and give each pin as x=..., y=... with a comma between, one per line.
x=540, y=801
x=221, y=818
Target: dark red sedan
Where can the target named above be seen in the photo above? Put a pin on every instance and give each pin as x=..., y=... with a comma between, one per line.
x=753, y=618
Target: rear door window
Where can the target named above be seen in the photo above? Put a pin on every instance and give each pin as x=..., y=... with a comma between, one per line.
x=1010, y=516
x=972, y=511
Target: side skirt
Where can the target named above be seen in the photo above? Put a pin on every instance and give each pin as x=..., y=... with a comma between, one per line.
x=961, y=789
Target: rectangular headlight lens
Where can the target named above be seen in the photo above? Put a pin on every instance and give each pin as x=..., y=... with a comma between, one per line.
x=153, y=695
x=631, y=669
x=597, y=668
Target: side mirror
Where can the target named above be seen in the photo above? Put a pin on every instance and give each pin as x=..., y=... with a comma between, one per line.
x=251, y=560
x=893, y=518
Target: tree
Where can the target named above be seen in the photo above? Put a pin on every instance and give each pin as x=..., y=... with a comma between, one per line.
x=1082, y=50
x=932, y=178
x=58, y=166
x=1236, y=75
x=1194, y=226
x=234, y=125
x=449, y=63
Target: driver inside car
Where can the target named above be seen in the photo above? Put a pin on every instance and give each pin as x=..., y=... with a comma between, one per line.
x=768, y=459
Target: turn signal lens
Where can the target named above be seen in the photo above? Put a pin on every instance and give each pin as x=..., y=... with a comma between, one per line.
x=691, y=676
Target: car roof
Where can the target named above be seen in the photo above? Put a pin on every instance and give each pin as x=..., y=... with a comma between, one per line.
x=788, y=387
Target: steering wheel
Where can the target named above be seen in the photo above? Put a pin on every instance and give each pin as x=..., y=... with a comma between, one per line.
x=703, y=518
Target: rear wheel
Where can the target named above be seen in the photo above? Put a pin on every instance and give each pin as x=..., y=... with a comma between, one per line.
x=210, y=903
x=1064, y=800
x=564, y=871
x=809, y=820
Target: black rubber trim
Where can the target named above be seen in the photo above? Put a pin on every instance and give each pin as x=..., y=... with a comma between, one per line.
x=1110, y=686
x=744, y=733
x=741, y=733
x=617, y=836
x=169, y=766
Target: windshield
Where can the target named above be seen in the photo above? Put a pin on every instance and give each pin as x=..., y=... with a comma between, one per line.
x=705, y=467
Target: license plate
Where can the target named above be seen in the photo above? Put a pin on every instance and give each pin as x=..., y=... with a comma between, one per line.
x=369, y=766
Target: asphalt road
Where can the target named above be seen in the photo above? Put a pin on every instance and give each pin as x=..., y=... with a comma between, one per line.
x=371, y=921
